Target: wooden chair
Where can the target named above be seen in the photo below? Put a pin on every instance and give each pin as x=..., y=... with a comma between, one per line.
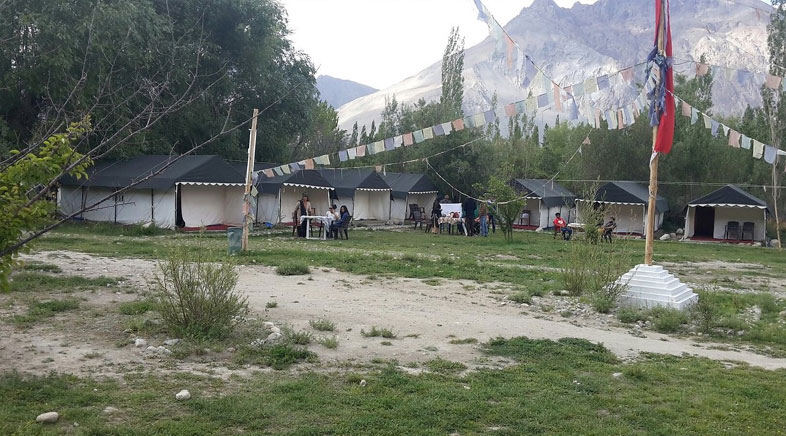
x=732, y=231
x=747, y=231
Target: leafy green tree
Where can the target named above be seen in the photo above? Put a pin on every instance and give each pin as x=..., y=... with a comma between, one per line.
x=323, y=135
x=452, y=97
x=24, y=204
x=353, y=139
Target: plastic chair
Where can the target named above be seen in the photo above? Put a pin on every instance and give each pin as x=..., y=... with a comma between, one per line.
x=747, y=231
x=732, y=231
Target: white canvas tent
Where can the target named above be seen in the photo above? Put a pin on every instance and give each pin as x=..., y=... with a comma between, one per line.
x=363, y=191
x=708, y=216
x=409, y=189
x=544, y=199
x=627, y=202
x=278, y=196
x=192, y=191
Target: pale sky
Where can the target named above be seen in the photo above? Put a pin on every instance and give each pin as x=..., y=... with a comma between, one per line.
x=381, y=42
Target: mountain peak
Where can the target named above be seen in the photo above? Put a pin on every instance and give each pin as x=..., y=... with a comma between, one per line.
x=543, y=6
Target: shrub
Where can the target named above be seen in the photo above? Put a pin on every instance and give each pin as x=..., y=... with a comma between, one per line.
x=377, y=332
x=443, y=366
x=705, y=313
x=293, y=269
x=667, y=320
x=271, y=304
x=322, y=325
x=629, y=315
x=331, y=342
x=136, y=307
x=520, y=297
x=197, y=298
x=297, y=338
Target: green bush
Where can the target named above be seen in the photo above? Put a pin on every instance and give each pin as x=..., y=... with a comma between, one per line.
x=293, y=269
x=667, y=320
x=197, y=298
x=322, y=325
x=705, y=313
x=520, y=297
x=378, y=332
x=137, y=307
x=629, y=315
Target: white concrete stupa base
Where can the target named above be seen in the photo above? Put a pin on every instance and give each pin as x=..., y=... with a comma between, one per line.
x=650, y=285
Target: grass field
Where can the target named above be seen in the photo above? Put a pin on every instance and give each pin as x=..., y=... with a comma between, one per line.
x=561, y=388
x=566, y=387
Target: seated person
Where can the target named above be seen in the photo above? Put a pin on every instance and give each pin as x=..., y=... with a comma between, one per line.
x=608, y=229
x=336, y=225
x=560, y=225
x=332, y=213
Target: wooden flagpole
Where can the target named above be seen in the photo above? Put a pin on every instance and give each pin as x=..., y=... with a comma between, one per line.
x=252, y=146
x=650, y=231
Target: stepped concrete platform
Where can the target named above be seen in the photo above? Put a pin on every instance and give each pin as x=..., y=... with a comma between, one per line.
x=650, y=286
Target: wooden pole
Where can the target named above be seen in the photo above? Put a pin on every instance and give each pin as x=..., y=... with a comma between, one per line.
x=252, y=145
x=652, y=204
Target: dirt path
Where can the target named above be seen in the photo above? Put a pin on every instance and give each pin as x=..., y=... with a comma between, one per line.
x=424, y=317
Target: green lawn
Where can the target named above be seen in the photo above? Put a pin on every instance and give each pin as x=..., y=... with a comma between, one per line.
x=563, y=388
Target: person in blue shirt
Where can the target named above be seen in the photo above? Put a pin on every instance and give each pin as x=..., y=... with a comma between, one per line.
x=336, y=225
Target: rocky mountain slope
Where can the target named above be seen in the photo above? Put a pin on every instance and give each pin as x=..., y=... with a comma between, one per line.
x=338, y=91
x=573, y=44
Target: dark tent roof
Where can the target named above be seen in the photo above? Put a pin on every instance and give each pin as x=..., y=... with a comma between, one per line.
x=204, y=169
x=729, y=195
x=629, y=193
x=302, y=178
x=241, y=166
x=403, y=184
x=347, y=180
x=551, y=193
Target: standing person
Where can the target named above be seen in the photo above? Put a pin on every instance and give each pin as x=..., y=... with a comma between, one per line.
x=484, y=220
x=302, y=208
x=608, y=229
x=469, y=206
x=446, y=199
x=436, y=214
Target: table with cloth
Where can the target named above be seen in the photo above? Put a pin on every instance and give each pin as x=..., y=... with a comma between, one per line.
x=450, y=222
x=325, y=220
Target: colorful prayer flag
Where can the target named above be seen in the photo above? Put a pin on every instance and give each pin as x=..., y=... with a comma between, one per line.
x=438, y=130
x=734, y=138
x=746, y=142
x=309, y=164
x=458, y=125
x=532, y=105
x=447, y=128
x=268, y=172
x=543, y=100
x=662, y=109
x=770, y=154
x=419, y=137
x=510, y=110
x=702, y=69
x=758, y=149
x=397, y=141
x=294, y=167
x=478, y=120
x=591, y=85
x=603, y=82
x=557, y=97
x=694, y=115
x=714, y=127
x=489, y=116
x=428, y=133
x=627, y=74
x=286, y=169
x=343, y=156
x=408, y=139
x=578, y=90
x=707, y=121
x=360, y=151
x=685, y=109
x=322, y=160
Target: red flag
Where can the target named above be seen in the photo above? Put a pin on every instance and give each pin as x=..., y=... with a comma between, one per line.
x=666, y=123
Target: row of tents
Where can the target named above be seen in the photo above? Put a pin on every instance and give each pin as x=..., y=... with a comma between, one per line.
x=204, y=191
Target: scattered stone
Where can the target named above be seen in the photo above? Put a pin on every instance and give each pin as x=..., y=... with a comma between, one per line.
x=163, y=350
x=467, y=387
x=170, y=342
x=151, y=348
x=564, y=293
x=183, y=395
x=139, y=342
x=617, y=375
x=268, y=324
x=363, y=382
x=231, y=349
x=47, y=418
x=110, y=409
x=665, y=237
x=273, y=337
x=275, y=329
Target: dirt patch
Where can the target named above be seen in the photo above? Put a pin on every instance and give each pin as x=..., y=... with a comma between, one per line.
x=424, y=317
x=732, y=277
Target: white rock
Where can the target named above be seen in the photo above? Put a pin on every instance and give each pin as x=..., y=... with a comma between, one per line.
x=163, y=350
x=110, y=409
x=363, y=382
x=183, y=395
x=170, y=342
x=268, y=324
x=617, y=375
x=151, y=348
x=47, y=418
x=275, y=329
x=140, y=343
x=273, y=337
